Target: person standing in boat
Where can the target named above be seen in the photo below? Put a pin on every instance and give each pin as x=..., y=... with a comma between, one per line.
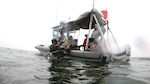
x=95, y=33
x=84, y=42
x=94, y=38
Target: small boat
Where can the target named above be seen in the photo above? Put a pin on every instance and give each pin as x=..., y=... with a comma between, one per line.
x=101, y=51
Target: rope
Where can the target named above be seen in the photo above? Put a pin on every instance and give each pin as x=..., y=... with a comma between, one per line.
x=114, y=39
x=55, y=51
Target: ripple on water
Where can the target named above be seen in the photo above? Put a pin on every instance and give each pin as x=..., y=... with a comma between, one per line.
x=25, y=67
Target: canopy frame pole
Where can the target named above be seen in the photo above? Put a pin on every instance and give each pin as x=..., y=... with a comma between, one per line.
x=79, y=34
x=108, y=37
x=90, y=26
x=99, y=28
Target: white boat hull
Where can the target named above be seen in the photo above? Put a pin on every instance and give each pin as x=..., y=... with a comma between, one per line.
x=44, y=50
x=85, y=54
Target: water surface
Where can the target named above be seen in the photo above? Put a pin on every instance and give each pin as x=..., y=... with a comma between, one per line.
x=26, y=67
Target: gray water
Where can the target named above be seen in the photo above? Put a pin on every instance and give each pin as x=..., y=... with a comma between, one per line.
x=26, y=67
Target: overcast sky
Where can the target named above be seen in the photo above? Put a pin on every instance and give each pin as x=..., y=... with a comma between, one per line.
x=27, y=23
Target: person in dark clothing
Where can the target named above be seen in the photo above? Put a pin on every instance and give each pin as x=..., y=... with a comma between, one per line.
x=56, y=50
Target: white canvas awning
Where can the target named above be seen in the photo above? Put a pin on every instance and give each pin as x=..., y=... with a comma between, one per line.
x=83, y=22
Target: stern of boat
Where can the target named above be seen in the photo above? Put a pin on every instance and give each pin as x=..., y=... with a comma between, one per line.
x=123, y=56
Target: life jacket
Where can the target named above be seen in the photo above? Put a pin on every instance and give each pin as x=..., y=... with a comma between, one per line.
x=93, y=47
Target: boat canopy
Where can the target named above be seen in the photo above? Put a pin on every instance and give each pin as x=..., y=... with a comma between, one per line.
x=83, y=22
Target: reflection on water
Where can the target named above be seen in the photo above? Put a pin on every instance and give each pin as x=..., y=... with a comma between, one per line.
x=24, y=67
x=76, y=72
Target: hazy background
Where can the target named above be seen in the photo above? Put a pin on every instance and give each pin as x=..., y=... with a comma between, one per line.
x=27, y=23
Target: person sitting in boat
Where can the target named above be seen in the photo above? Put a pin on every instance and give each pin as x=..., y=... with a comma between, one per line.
x=54, y=46
x=95, y=33
x=75, y=45
x=62, y=40
x=69, y=44
x=56, y=50
x=66, y=44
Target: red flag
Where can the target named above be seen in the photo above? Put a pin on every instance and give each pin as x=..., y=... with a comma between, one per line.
x=105, y=14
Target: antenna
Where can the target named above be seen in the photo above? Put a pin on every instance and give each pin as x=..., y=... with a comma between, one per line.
x=56, y=11
x=69, y=19
x=93, y=3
